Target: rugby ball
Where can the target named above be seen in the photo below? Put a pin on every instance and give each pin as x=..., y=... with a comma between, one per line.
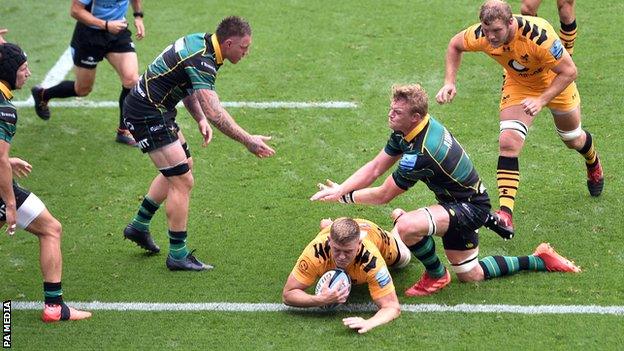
x=337, y=278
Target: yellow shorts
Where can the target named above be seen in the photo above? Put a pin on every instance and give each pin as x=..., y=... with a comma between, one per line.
x=513, y=93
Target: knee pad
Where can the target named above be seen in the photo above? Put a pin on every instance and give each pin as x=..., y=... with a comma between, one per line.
x=570, y=135
x=175, y=170
x=467, y=265
x=515, y=126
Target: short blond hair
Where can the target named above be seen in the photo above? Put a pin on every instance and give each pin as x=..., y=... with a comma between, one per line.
x=415, y=96
x=344, y=230
x=493, y=10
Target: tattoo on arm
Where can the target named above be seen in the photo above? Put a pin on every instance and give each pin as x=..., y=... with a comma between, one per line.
x=220, y=118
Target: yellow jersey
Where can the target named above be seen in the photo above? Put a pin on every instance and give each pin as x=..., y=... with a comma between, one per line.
x=369, y=265
x=529, y=57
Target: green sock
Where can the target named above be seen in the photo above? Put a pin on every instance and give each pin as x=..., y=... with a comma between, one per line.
x=424, y=251
x=143, y=217
x=499, y=266
x=177, y=245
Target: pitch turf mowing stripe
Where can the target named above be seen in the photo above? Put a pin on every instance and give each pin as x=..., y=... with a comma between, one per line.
x=275, y=307
x=248, y=104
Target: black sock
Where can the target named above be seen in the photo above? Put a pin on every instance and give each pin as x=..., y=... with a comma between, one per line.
x=53, y=293
x=63, y=89
x=122, y=97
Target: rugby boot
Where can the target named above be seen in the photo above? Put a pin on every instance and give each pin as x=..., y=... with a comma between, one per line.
x=553, y=261
x=141, y=238
x=428, y=285
x=41, y=105
x=595, y=179
x=124, y=137
x=500, y=222
x=62, y=312
x=189, y=263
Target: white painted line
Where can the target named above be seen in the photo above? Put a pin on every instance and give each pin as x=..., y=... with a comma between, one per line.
x=275, y=307
x=80, y=103
x=55, y=75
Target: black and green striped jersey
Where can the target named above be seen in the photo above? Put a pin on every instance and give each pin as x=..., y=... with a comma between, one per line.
x=190, y=63
x=431, y=154
x=8, y=115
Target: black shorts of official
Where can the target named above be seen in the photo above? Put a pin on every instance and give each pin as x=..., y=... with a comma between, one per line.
x=90, y=45
x=465, y=220
x=20, y=196
x=151, y=129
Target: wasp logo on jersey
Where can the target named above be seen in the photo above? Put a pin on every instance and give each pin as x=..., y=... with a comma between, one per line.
x=517, y=66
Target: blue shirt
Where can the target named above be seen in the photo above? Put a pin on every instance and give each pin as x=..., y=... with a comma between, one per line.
x=107, y=10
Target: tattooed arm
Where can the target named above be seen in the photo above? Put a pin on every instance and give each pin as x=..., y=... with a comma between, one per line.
x=220, y=118
x=192, y=106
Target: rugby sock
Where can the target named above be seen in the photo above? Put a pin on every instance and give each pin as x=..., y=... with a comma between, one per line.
x=424, y=251
x=53, y=293
x=143, y=217
x=61, y=90
x=122, y=97
x=499, y=266
x=507, y=178
x=567, y=33
x=177, y=245
x=589, y=152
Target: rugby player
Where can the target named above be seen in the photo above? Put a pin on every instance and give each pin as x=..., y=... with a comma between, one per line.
x=364, y=251
x=185, y=71
x=101, y=31
x=567, y=19
x=538, y=73
x=19, y=208
x=425, y=150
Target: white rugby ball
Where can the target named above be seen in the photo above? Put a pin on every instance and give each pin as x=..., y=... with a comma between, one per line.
x=337, y=278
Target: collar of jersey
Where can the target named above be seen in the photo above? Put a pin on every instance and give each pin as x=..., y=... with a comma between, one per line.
x=6, y=91
x=217, y=49
x=411, y=135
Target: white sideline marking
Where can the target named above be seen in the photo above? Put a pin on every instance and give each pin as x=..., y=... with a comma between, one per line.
x=275, y=307
x=80, y=103
x=65, y=64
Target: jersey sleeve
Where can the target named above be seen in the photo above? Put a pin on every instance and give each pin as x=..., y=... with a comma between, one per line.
x=8, y=121
x=392, y=147
x=306, y=270
x=404, y=175
x=474, y=40
x=202, y=72
x=380, y=281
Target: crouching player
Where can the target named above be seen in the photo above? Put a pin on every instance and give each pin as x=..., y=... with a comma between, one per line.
x=364, y=251
x=19, y=208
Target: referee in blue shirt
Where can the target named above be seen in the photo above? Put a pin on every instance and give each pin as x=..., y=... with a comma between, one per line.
x=101, y=32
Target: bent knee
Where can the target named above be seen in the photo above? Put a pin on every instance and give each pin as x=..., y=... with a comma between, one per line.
x=510, y=143
x=83, y=90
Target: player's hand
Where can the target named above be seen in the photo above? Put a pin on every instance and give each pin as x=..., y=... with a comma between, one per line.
x=140, y=28
x=2, y=32
x=325, y=222
x=257, y=145
x=532, y=106
x=337, y=294
x=11, y=217
x=357, y=323
x=446, y=94
x=206, y=131
x=115, y=27
x=20, y=167
x=329, y=192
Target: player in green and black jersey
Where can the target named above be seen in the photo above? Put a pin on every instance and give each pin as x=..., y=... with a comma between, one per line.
x=185, y=71
x=19, y=208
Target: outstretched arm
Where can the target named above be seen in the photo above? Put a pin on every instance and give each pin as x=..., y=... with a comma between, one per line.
x=389, y=309
x=453, y=61
x=362, y=178
x=220, y=118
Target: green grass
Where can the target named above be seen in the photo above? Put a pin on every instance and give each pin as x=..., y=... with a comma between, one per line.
x=251, y=217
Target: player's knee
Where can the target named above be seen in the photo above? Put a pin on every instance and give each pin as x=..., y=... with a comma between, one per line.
x=528, y=10
x=129, y=82
x=408, y=230
x=509, y=143
x=574, y=139
x=83, y=90
x=54, y=229
x=473, y=275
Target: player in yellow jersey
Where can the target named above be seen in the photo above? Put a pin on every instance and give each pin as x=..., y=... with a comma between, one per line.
x=538, y=73
x=364, y=251
x=567, y=18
